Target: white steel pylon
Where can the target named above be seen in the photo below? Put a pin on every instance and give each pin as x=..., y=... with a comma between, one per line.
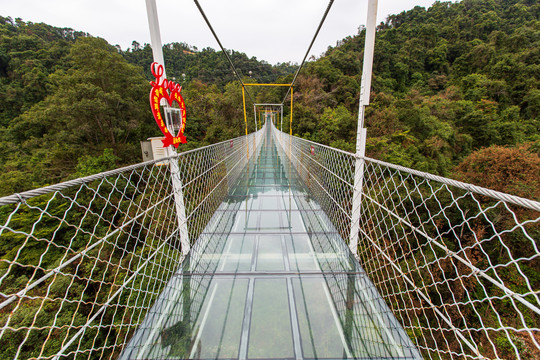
x=365, y=89
x=157, y=52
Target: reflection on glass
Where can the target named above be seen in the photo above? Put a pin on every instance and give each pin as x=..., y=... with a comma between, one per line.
x=220, y=327
x=270, y=332
x=270, y=254
x=320, y=330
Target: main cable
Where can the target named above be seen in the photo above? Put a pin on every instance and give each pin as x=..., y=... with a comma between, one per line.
x=309, y=49
x=223, y=49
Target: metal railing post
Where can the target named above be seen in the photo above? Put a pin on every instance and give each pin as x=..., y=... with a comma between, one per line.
x=157, y=52
x=179, y=199
x=365, y=89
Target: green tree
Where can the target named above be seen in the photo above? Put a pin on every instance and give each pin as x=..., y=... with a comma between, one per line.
x=100, y=102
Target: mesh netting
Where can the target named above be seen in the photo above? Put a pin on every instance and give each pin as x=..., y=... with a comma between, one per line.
x=82, y=262
x=458, y=264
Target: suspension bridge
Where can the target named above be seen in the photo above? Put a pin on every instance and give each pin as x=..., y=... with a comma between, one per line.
x=269, y=246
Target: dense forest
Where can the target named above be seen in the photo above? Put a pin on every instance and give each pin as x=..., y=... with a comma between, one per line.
x=449, y=81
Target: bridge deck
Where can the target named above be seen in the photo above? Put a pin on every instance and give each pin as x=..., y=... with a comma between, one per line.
x=270, y=278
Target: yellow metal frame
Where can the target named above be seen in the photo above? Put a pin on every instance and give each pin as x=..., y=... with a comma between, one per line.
x=266, y=111
x=267, y=84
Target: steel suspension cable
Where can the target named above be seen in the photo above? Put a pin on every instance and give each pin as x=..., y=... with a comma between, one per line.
x=309, y=48
x=222, y=48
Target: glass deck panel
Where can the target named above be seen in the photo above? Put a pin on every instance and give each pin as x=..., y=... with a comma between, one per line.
x=270, y=319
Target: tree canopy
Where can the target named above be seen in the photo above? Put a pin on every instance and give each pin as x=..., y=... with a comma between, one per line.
x=448, y=81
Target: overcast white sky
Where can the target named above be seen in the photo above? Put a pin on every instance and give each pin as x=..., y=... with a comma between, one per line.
x=271, y=30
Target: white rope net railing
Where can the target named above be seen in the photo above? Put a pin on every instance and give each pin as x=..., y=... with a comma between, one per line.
x=82, y=262
x=459, y=265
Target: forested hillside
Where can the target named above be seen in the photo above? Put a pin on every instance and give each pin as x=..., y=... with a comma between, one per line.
x=186, y=63
x=448, y=81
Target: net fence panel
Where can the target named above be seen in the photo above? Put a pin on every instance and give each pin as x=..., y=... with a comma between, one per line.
x=328, y=174
x=208, y=173
x=459, y=269
x=167, y=330
x=80, y=265
x=82, y=262
x=459, y=265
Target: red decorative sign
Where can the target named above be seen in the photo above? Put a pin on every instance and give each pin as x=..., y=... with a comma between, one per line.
x=312, y=150
x=170, y=91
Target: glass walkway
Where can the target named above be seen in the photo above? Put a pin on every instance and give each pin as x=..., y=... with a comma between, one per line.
x=270, y=278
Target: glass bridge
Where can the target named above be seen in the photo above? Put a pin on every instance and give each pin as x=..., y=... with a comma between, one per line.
x=270, y=278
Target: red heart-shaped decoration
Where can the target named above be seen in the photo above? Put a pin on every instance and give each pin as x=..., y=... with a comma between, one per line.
x=171, y=92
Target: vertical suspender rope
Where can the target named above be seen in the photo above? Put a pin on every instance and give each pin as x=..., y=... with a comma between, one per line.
x=255, y=121
x=309, y=48
x=222, y=48
x=281, y=121
x=281, y=125
x=290, y=156
x=255, y=116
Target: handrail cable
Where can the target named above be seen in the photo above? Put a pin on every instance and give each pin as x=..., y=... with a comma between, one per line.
x=308, y=50
x=222, y=48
